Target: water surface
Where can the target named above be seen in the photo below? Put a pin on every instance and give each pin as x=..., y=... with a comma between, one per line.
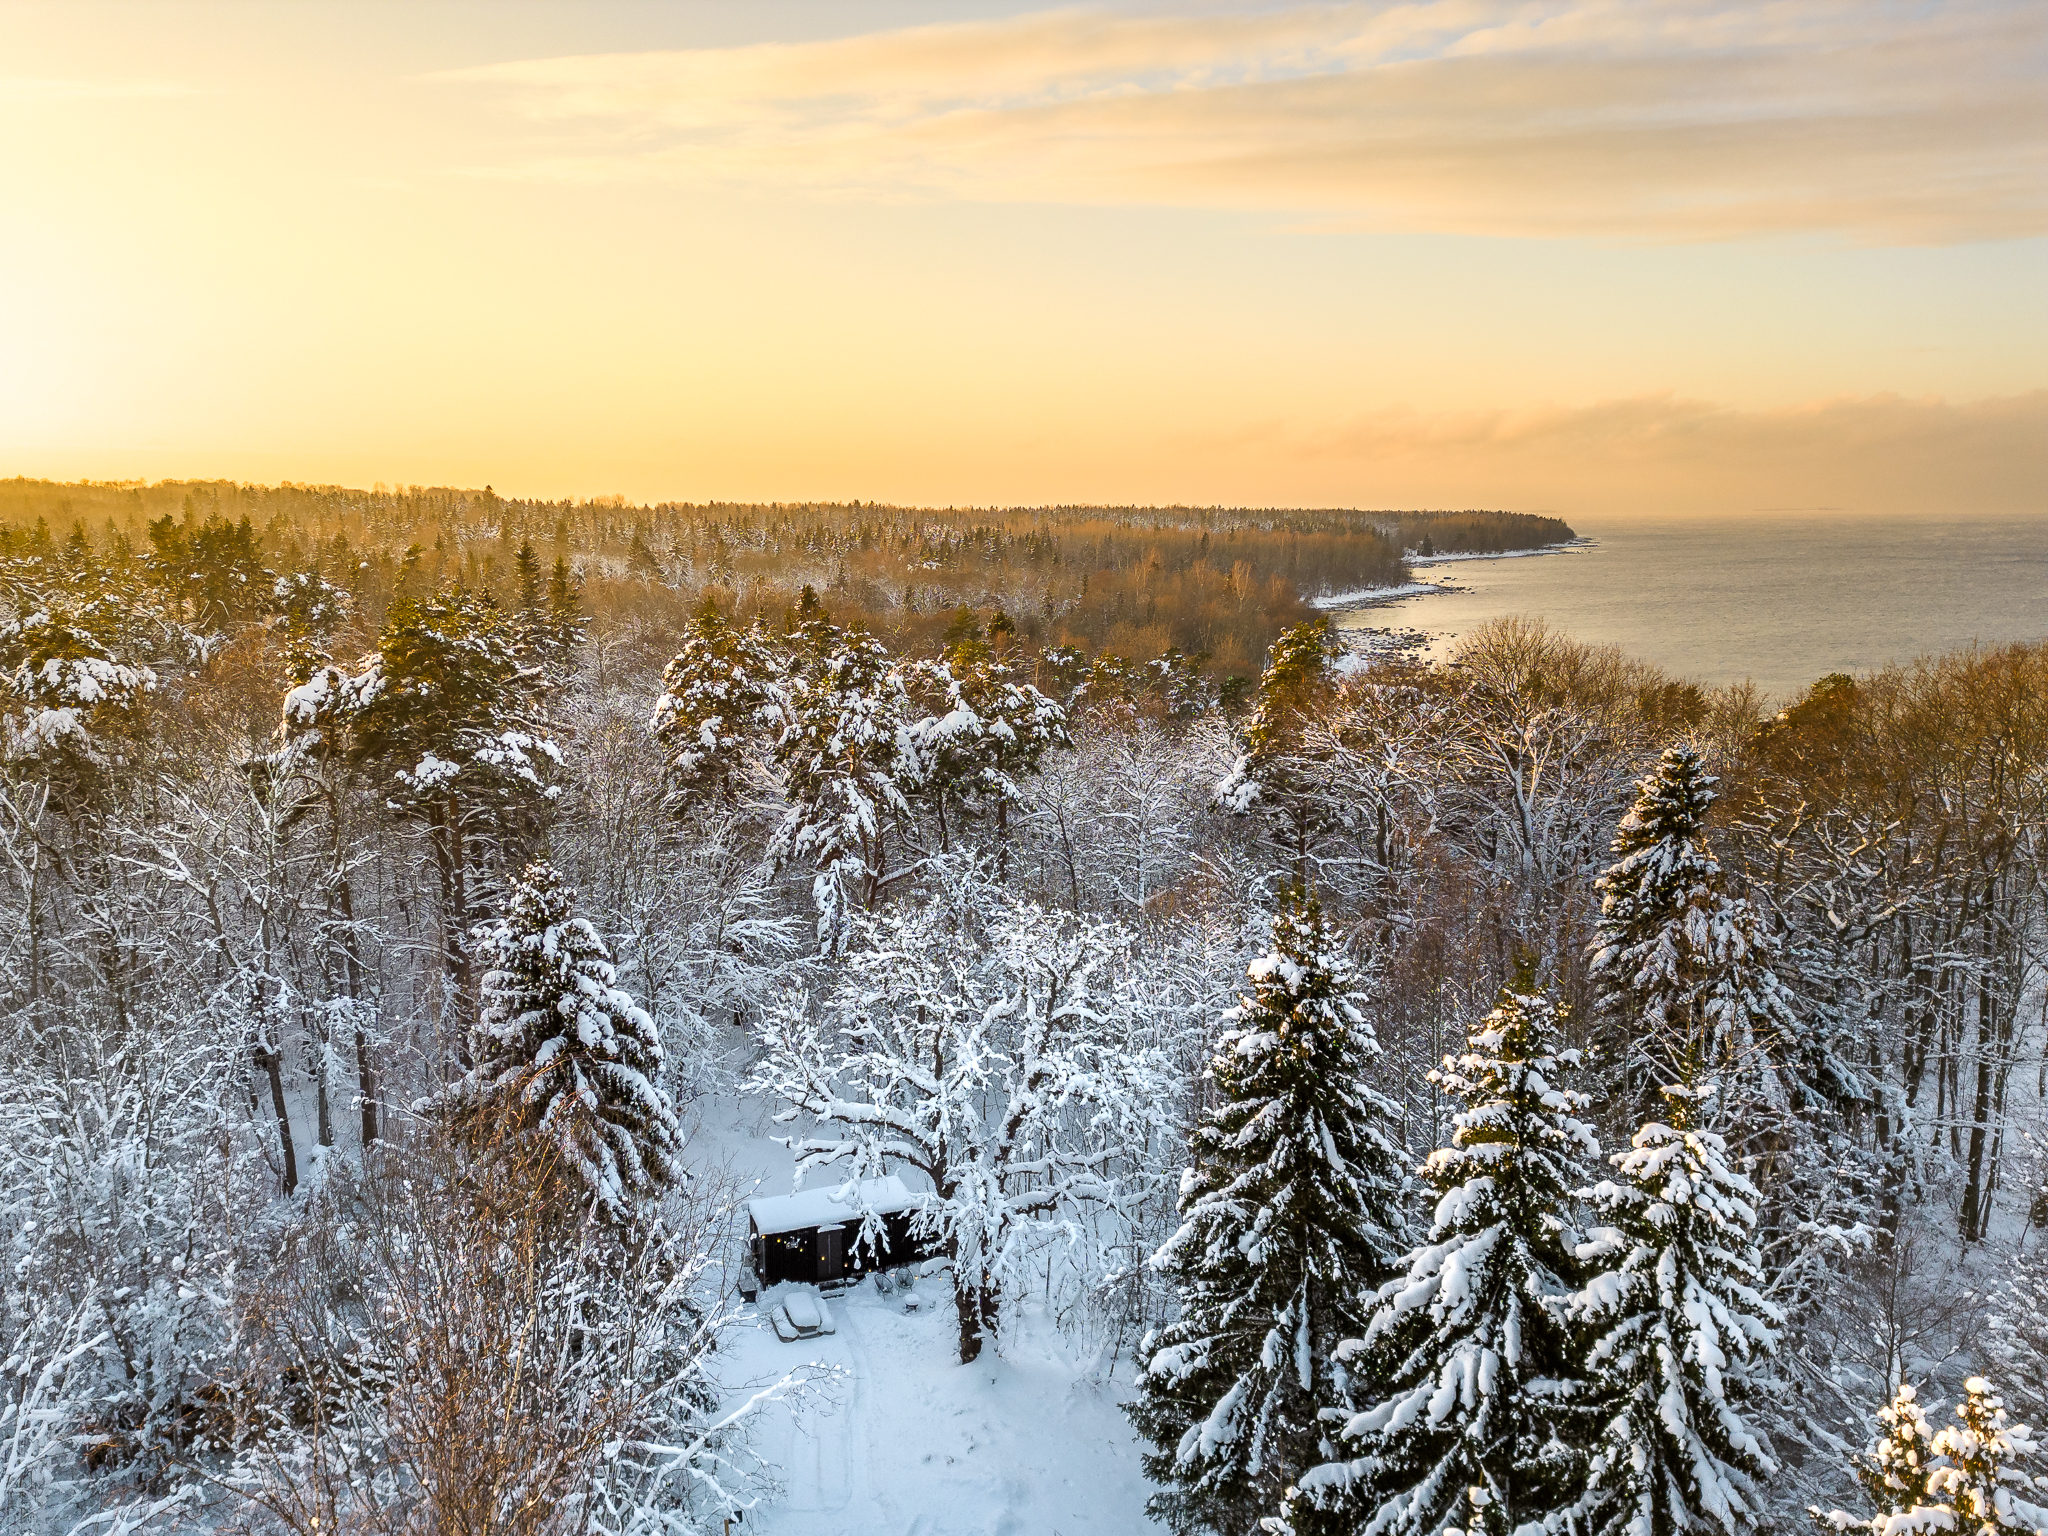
x=1780, y=601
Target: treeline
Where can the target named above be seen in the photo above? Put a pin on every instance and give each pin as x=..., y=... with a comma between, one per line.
x=1212, y=584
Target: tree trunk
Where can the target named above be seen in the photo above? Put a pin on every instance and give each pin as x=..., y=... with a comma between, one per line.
x=352, y=978
x=456, y=1011
x=272, y=1064
x=1971, y=1221
x=323, y=1111
x=976, y=1304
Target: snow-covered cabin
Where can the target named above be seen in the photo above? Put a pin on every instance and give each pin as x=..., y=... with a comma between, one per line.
x=813, y=1236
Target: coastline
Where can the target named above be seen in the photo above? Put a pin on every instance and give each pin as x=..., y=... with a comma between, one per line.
x=1365, y=643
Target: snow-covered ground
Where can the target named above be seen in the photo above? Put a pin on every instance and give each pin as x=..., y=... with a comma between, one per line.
x=907, y=1440
x=1366, y=596
x=1498, y=554
x=903, y=1439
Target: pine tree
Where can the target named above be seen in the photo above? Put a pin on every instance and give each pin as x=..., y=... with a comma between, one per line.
x=719, y=695
x=1291, y=1216
x=448, y=708
x=1981, y=1483
x=564, y=1055
x=1686, y=973
x=1896, y=1468
x=1470, y=1358
x=70, y=702
x=1964, y=1479
x=1274, y=774
x=1674, y=1323
x=848, y=759
x=986, y=729
x=562, y=629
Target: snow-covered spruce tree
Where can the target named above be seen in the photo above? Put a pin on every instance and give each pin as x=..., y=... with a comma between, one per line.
x=986, y=729
x=718, y=698
x=848, y=761
x=1684, y=973
x=1291, y=1217
x=1895, y=1470
x=1273, y=777
x=1468, y=1363
x=70, y=698
x=563, y=1055
x=449, y=711
x=1982, y=1484
x=1674, y=1325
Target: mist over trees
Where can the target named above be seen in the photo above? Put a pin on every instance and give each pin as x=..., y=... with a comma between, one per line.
x=1534, y=1091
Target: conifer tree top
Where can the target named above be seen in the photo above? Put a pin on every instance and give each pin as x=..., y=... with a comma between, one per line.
x=1671, y=803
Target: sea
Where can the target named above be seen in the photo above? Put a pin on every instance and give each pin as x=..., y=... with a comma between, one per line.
x=1777, y=600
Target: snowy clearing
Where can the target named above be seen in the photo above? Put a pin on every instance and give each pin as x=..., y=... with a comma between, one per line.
x=904, y=1439
x=907, y=1441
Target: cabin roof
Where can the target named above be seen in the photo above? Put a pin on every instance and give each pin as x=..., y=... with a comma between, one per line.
x=831, y=1204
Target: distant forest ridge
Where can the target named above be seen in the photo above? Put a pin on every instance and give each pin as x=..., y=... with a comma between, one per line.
x=1215, y=584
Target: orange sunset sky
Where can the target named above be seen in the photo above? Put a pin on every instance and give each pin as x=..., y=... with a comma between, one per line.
x=1598, y=257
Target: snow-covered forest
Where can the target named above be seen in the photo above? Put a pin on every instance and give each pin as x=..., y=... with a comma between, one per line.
x=1527, y=1093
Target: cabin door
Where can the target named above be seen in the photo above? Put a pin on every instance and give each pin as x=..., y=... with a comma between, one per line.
x=831, y=1253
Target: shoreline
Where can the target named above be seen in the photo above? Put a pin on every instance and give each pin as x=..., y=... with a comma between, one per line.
x=1365, y=643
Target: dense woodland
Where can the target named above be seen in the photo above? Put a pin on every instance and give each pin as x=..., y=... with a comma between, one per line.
x=1528, y=1093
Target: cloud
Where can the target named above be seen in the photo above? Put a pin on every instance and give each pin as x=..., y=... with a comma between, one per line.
x=1873, y=453
x=1617, y=119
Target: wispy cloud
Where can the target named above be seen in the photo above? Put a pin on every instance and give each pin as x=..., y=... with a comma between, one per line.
x=1672, y=430
x=1884, y=453
x=1631, y=119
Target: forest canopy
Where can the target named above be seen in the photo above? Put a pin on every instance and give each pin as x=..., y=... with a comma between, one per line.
x=1211, y=584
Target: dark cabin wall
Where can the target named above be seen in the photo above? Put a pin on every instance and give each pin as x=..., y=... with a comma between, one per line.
x=793, y=1256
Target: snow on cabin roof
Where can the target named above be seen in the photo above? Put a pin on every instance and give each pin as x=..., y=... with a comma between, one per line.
x=831, y=1204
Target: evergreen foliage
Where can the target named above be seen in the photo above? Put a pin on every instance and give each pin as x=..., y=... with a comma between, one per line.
x=562, y=1053
x=1983, y=1483
x=848, y=757
x=987, y=728
x=1894, y=1472
x=1674, y=1327
x=1686, y=973
x=1274, y=774
x=1966, y=1478
x=68, y=697
x=447, y=702
x=1291, y=1216
x=718, y=697
x=1468, y=1363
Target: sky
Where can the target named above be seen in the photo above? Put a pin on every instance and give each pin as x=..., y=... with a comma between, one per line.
x=1595, y=256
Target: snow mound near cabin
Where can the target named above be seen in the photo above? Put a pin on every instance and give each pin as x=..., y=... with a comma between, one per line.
x=908, y=1442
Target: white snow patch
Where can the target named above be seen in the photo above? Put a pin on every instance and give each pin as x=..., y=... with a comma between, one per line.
x=909, y=1440
x=906, y=1439
x=1365, y=596
x=842, y=1202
